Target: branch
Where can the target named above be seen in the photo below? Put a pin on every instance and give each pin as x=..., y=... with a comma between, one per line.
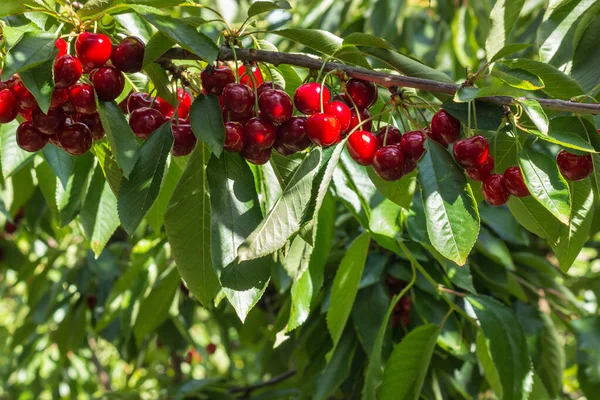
x=273, y=381
x=381, y=78
x=100, y=371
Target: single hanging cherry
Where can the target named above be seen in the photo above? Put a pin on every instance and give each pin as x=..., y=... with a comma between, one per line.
x=471, y=152
x=514, y=182
x=574, y=167
x=362, y=146
x=307, y=98
x=494, y=190
x=445, y=129
x=128, y=55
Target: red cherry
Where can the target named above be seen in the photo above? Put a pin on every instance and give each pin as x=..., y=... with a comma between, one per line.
x=255, y=156
x=246, y=79
x=48, y=124
x=388, y=163
x=75, y=139
x=23, y=96
x=494, y=190
x=514, y=182
x=234, y=137
x=471, y=152
x=363, y=93
x=59, y=97
x=574, y=167
x=29, y=138
x=144, y=121
x=445, y=129
x=412, y=144
x=275, y=105
x=281, y=149
x=364, y=115
x=54, y=140
x=409, y=165
x=267, y=85
x=214, y=78
x=26, y=114
x=362, y=146
x=81, y=97
x=163, y=106
x=93, y=49
x=184, y=139
x=138, y=100
x=323, y=129
x=93, y=122
x=241, y=118
x=128, y=55
x=8, y=106
x=480, y=173
x=67, y=71
x=394, y=136
x=108, y=82
x=260, y=133
x=62, y=46
x=68, y=108
x=238, y=98
x=211, y=348
x=341, y=111
x=307, y=98
x=185, y=103
x=293, y=135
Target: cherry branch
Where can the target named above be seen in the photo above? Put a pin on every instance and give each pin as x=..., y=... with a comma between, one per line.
x=381, y=78
x=247, y=390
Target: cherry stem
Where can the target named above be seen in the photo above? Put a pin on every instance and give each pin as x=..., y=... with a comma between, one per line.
x=323, y=87
x=404, y=110
x=387, y=128
x=475, y=117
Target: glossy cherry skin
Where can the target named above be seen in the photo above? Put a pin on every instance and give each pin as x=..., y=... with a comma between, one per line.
x=394, y=136
x=23, y=96
x=185, y=103
x=293, y=134
x=62, y=47
x=241, y=118
x=362, y=93
x=260, y=133
x=26, y=113
x=246, y=79
x=75, y=139
x=307, y=98
x=409, y=165
x=67, y=71
x=255, y=156
x=68, y=108
x=445, y=129
x=412, y=144
x=234, y=137
x=144, y=121
x=364, y=115
x=163, y=106
x=214, y=79
x=323, y=129
x=81, y=97
x=238, y=98
x=494, y=190
x=137, y=100
x=48, y=124
x=59, y=97
x=267, y=85
x=480, y=173
x=275, y=105
x=184, y=139
x=29, y=138
x=9, y=108
x=93, y=122
x=93, y=49
x=362, y=146
x=128, y=56
x=108, y=83
x=574, y=167
x=341, y=111
x=388, y=163
x=471, y=152
x=514, y=182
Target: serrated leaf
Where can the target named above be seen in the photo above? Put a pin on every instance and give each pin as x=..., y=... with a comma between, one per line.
x=338, y=369
x=460, y=275
x=12, y=156
x=535, y=217
x=400, y=192
x=156, y=214
x=260, y=7
x=33, y=49
x=158, y=44
x=519, y=78
x=586, y=58
x=70, y=199
x=509, y=49
x=109, y=165
x=61, y=163
x=39, y=82
x=504, y=148
x=536, y=113
x=487, y=364
x=366, y=39
x=489, y=116
x=11, y=7
x=503, y=17
x=207, y=122
x=464, y=40
x=552, y=358
x=494, y=249
x=316, y=39
x=93, y=8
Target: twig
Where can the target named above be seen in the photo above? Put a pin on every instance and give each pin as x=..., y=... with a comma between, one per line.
x=176, y=361
x=100, y=371
x=247, y=390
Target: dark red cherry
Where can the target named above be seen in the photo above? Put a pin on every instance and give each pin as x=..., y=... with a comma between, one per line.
x=238, y=98
x=293, y=135
x=307, y=98
x=163, y=106
x=108, y=83
x=260, y=133
x=255, y=156
x=494, y=190
x=138, y=100
x=412, y=144
x=394, y=136
x=214, y=78
x=48, y=124
x=275, y=105
x=362, y=93
x=445, y=129
x=514, y=182
x=23, y=96
x=184, y=139
x=93, y=122
x=144, y=121
x=75, y=139
x=323, y=129
x=362, y=146
x=282, y=149
x=241, y=118
x=67, y=71
x=471, y=152
x=388, y=163
x=267, y=85
x=234, y=137
x=128, y=55
x=211, y=348
x=93, y=49
x=26, y=113
x=409, y=165
x=480, y=173
x=68, y=108
x=9, y=108
x=81, y=97
x=574, y=167
x=185, y=103
x=59, y=97
x=341, y=111
x=29, y=138
x=245, y=79
x=364, y=115
x=62, y=47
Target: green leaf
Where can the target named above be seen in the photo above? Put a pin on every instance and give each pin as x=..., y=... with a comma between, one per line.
x=260, y=7
x=535, y=217
x=122, y=140
x=137, y=194
x=536, y=113
x=552, y=358
x=109, y=165
x=510, y=49
x=70, y=199
x=338, y=369
x=11, y=7
x=161, y=83
x=503, y=147
x=71, y=332
x=450, y=207
x=459, y=275
x=40, y=83
x=207, y=122
x=587, y=331
x=565, y=139
x=12, y=156
x=94, y=8
x=400, y=192
x=489, y=116
x=464, y=40
x=316, y=39
x=501, y=222
x=385, y=225
x=494, y=249
x=188, y=225
x=158, y=45
x=503, y=18
x=546, y=184
x=33, y=49
x=291, y=78
x=61, y=163
x=300, y=254
x=507, y=345
x=156, y=214
x=366, y=39
x=369, y=313
x=405, y=370
x=586, y=58
x=487, y=364
x=519, y=78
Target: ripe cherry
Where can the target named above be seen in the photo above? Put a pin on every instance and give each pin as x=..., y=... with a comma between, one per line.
x=445, y=129
x=75, y=139
x=362, y=93
x=8, y=106
x=574, y=167
x=234, y=137
x=62, y=47
x=394, y=136
x=323, y=129
x=255, y=156
x=26, y=113
x=245, y=79
x=108, y=82
x=409, y=165
x=267, y=85
x=68, y=108
x=362, y=146
x=81, y=97
x=293, y=135
x=364, y=116
x=29, y=138
x=514, y=182
x=388, y=163
x=67, y=71
x=93, y=49
x=214, y=78
x=185, y=103
x=184, y=139
x=341, y=111
x=48, y=124
x=144, y=121
x=471, y=152
x=282, y=149
x=23, y=96
x=241, y=118
x=128, y=56
x=260, y=133
x=137, y=100
x=238, y=98
x=412, y=144
x=59, y=97
x=275, y=105
x=307, y=98
x=93, y=122
x=480, y=173
x=163, y=106
x=494, y=190
x=211, y=348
